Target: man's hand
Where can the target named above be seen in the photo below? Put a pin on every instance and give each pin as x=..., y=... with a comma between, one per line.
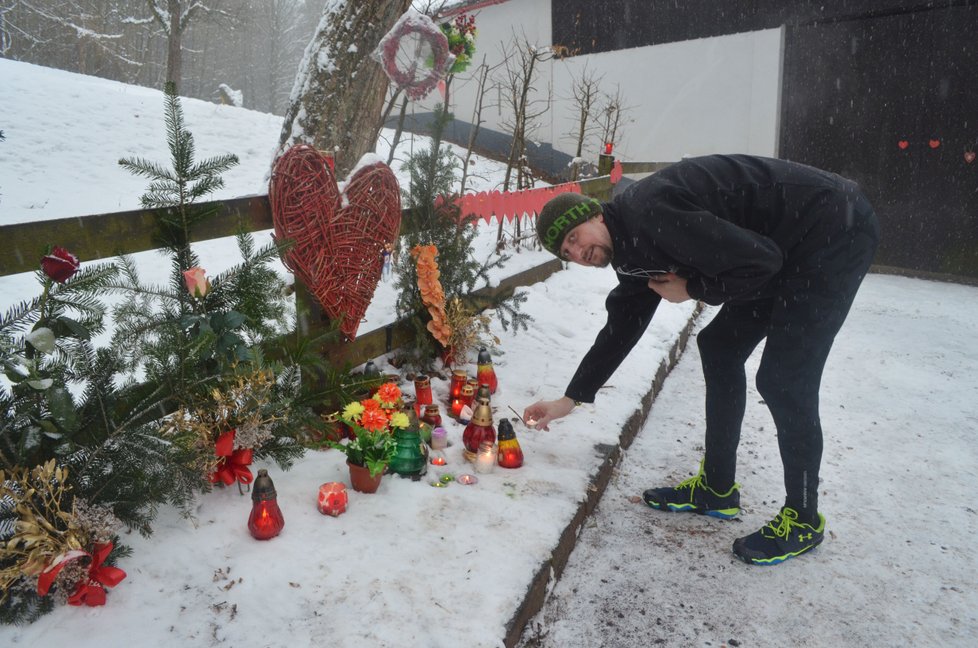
x=670, y=287
x=539, y=414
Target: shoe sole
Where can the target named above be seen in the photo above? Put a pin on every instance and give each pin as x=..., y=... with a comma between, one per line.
x=775, y=560
x=720, y=514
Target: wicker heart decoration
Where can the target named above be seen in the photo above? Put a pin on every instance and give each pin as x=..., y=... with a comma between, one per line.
x=338, y=238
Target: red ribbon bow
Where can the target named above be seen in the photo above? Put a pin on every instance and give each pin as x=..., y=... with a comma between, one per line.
x=233, y=464
x=90, y=590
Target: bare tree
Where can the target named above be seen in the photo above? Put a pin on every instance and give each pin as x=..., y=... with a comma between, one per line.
x=173, y=17
x=88, y=36
x=613, y=115
x=520, y=72
x=327, y=110
x=584, y=99
x=481, y=77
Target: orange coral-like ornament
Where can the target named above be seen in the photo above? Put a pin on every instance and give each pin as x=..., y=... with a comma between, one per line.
x=432, y=293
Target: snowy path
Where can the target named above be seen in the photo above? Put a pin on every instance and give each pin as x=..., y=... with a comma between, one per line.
x=898, y=568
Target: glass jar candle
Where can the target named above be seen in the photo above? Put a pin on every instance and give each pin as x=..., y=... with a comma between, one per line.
x=439, y=439
x=422, y=390
x=431, y=416
x=459, y=377
x=485, y=458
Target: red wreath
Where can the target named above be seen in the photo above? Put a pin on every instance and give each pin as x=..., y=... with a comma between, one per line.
x=415, y=87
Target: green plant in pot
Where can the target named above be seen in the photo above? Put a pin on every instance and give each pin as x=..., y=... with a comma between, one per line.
x=372, y=422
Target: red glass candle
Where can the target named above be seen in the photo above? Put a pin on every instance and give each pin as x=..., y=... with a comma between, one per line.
x=480, y=429
x=266, y=519
x=422, y=390
x=468, y=395
x=458, y=381
x=510, y=454
x=332, y=498
x=457, y=404
x=431, y=415
x=608, y=147
x=486, y=374
x=438, y=458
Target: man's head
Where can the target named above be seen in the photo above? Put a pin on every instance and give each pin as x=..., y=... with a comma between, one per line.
x=590, y=243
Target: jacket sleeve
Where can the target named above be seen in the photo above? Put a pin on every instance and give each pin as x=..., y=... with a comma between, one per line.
x=729, y=260
x=631, y=305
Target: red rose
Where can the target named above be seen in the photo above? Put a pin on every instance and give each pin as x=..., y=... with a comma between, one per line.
x=60, y=265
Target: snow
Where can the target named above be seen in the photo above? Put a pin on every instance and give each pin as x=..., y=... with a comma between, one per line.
x=899, y=404
x=419, y=566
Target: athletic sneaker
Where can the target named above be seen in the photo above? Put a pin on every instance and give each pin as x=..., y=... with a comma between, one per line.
x=694, y=496
x=782, y=538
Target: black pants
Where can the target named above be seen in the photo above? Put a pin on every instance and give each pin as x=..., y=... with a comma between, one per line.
x=811, y=300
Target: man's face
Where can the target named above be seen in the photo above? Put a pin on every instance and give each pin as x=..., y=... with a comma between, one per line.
x=588, y=244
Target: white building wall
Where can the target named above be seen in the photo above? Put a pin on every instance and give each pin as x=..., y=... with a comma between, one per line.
x=711, y=95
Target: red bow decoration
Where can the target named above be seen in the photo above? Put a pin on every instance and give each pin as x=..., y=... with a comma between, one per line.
x=90, y=590
x=233, y=464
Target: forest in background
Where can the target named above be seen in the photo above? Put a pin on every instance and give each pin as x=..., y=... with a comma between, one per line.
x=251, y=47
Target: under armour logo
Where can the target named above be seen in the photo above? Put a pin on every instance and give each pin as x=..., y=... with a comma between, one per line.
x=802, y=537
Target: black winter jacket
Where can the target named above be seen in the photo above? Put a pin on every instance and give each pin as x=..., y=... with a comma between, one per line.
x=731, y=225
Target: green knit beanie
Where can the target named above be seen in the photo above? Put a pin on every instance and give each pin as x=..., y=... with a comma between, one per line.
x=561, y=214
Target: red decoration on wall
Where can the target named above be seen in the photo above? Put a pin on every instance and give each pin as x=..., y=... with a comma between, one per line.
x=510, y=204
x=616, y=172
x=338, y=238
x=934, y=143
x=903, y=144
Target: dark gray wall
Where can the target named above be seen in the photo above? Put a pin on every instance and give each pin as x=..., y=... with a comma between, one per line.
x=860, y=76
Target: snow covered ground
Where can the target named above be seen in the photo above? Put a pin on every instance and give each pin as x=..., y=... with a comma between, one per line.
x=419, y=566
x=898, y=566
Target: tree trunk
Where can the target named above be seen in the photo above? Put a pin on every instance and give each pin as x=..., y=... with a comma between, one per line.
x=339, y=91
x=174, y=50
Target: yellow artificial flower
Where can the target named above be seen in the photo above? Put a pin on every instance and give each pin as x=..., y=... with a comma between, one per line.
x=352, y=411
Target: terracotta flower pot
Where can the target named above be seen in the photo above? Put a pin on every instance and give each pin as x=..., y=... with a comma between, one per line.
x=361, y=480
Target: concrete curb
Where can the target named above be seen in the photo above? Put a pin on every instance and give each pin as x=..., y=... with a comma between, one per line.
x=551, y=570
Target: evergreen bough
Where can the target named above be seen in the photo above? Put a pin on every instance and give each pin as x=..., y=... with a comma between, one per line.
x=435, y=219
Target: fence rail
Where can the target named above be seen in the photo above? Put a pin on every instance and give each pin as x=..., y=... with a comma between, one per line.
x=104, y=236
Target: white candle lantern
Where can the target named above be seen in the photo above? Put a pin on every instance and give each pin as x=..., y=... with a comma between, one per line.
x=485, y=459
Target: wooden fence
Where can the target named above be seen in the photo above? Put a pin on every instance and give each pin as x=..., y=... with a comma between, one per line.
x=104, y=236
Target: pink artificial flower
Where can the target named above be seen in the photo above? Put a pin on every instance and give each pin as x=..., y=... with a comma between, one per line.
x=60, y=265
x=196, y=280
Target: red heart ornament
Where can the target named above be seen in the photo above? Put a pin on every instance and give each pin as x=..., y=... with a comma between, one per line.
x=969, y=156
x=903, y=144
x=934, y=143
x=338, y=238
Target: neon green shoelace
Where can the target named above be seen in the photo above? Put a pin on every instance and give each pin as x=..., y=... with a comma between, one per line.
x=694, y=482
x=787, y=518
